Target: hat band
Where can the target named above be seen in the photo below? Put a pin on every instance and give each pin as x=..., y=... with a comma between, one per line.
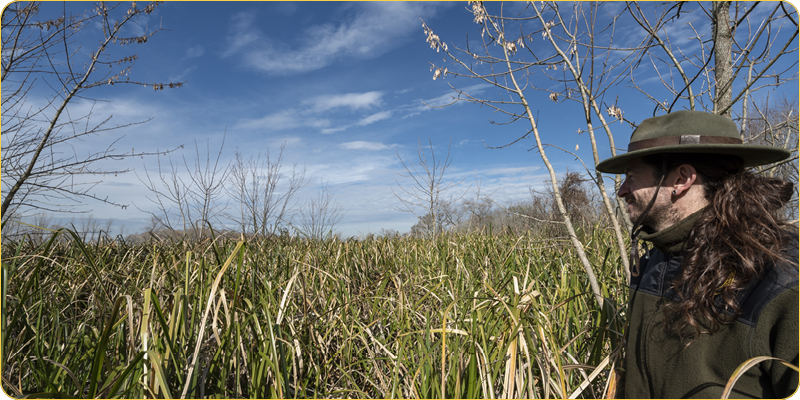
x=679, y=140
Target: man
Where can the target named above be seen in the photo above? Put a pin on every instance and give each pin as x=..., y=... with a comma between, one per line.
x=719, y=286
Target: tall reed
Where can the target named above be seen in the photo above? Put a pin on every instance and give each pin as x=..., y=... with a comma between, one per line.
x=464, y=316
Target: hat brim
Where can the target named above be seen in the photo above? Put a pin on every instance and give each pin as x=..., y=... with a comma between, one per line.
x=752, y=155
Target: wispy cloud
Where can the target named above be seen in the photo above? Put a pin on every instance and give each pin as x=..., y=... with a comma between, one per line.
x=447, y=98
x=322, y=112
x=678, y=34
x=140, y=26
x=283, y=120
x=368, y=30
x=328, y=131
x=374, y=118
x=379, y=116
x=378, y=168
x=182, y=76
x=195, y=51
x=353, y=101
x=509, y=171
x=362, y=145
x=286, y=141
x=242, y=34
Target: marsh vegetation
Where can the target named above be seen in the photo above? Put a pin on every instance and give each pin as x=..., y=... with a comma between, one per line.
x=468, y=315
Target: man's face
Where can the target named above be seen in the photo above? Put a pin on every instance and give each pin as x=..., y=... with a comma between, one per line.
x=637, y=190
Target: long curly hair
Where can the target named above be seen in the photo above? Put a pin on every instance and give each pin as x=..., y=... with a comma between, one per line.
x=737, y=237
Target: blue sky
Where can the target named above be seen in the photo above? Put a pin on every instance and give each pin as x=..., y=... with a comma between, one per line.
x=344, y=87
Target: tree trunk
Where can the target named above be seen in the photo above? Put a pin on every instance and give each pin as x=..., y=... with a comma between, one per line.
x=723, y=64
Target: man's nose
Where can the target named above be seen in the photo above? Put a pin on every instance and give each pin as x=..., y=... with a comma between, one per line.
x=624, y=189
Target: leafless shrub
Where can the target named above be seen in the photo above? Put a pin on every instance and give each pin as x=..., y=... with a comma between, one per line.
x=776, y=124
x=41, y=170
x=263, y=196
x=318, y=218
x=188, y=197
x=429, y=197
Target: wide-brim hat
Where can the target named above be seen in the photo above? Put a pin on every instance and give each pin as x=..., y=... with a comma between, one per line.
x=691, y=132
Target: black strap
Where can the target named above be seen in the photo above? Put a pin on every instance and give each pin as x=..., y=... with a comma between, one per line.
x=637, y=226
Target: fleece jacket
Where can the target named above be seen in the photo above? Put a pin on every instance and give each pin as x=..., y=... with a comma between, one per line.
x=662, y=365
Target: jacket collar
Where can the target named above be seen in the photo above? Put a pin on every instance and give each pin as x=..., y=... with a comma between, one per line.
x=671, y=240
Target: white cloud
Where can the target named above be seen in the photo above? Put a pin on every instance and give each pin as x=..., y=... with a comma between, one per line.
x=182, y=76
x=651, y=79
x=362, y=145
x=373, y=167
x=368, y=30
x=443, y=100
x=282, y=120
x=450, y=97
x=242, y=34
x=679, y=35
x=508, y=171
x=195, y=51
x=310, y=115
x=140, y=26
x=287, y=141
x=354, y=101
x=334, y=130
x=374, y=118
x=125, y=110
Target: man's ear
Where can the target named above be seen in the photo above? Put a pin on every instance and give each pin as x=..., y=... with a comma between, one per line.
x=685, y=176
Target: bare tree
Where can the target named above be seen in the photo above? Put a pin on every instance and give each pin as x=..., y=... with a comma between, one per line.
x=538, y=215
x=568, y=52
x=189, y=196
x=41, y=169
x=89, y=228
x=35, y=228
x=749, y=52
x=501, y=70
x=477, y=212
x=389, y=233
x=263, y=202
x=775, y=123
x=577, y=199
x=318, y=218
x=445, y=218
x=428, y=197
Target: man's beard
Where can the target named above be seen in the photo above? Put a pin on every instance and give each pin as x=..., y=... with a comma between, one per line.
x=661, y=214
